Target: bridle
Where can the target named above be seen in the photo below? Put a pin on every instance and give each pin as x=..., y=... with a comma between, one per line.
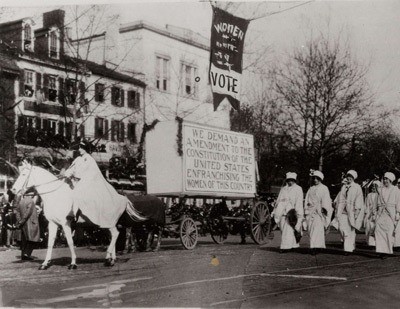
x=25, y=185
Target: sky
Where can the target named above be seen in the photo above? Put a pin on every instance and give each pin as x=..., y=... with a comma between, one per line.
x=372, y=28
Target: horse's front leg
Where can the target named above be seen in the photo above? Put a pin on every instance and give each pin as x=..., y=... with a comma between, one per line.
x=111, y=256
x=68, y=236
x=50, y=244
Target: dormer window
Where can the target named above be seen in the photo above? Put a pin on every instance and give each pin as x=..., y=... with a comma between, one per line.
x=28, y=38
x=53, y=45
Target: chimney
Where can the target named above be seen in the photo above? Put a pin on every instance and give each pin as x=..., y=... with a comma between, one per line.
x=56, y=18
x=112, y=42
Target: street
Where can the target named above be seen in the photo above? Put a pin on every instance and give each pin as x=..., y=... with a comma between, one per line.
x=219, y=276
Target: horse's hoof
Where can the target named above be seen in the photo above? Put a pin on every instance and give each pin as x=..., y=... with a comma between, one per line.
x=72, y=266
x=43, y=267
x=109, y=262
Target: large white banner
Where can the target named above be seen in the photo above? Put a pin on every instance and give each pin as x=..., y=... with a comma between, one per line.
x=217, y=161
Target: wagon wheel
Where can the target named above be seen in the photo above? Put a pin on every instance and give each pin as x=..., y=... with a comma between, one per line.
x=217, y=231
x=188, y=233
x=260, y=223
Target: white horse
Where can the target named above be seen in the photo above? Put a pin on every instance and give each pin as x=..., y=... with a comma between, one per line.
x=56, y=195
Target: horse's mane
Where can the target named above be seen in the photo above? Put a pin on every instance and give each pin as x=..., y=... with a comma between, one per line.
x=49, y=176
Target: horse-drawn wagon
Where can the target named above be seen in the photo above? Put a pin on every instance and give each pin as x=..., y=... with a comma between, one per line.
x=190, y=161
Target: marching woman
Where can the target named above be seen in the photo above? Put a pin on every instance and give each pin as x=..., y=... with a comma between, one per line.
x=289, y=213
x=318, y=211
x=350, y=211
x=387, y=215
x=370, y=213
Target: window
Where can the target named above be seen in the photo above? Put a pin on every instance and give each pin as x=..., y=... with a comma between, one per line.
x=28, y=37
x=117, y=96
x=52, y=88
x=162, y=74
x=28, y=85
x=117, y=131
x=99, y=92
x=52, y=127
x=99, y=127
x=71, y=89
x=189, y=84
x=133, y=99
x=53, y=45
x=132, y=132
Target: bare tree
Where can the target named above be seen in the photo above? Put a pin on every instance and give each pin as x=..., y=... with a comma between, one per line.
x=324, y=97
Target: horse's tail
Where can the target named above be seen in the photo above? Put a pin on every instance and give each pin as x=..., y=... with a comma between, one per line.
x=133, y=213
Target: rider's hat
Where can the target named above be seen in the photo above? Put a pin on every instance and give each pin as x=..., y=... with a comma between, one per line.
x=84, y=145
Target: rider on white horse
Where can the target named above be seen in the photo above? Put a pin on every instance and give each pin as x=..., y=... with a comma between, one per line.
x=92, y=191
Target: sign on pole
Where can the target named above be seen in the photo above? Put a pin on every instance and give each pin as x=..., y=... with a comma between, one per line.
x=227, y=41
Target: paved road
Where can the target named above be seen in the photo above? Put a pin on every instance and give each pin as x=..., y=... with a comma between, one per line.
x=227, y=276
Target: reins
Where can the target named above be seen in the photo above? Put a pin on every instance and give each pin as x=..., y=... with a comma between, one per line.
x=58, y=178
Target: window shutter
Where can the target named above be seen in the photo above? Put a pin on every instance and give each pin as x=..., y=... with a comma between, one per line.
x=113, y=97
x=21, y=83
x=61, y=90
x=128, y=134
x=38, y=123
x=137, y=101
x=82, y=90
x=122, y=136
x=82, y=130
x=68, y=129
x=105, y=128
x=46, y=86
x=61, y=127
x=96, y=92
x=38, y=81
x=96, y=128
x=122, y=98
x=113, y=130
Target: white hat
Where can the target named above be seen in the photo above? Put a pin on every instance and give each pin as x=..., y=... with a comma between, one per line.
x=291, y=175
x=317, y=174
x=389, y=176
x=353, y=174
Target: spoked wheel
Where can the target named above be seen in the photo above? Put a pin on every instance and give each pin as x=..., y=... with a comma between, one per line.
x=260, y=223
x=188, y=233
x=218, y=238
x=217, y=231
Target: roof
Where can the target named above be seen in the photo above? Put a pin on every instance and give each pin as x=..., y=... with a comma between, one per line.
x=180, y=34
x=8, y=57
x=177, y=33
x=102, y=70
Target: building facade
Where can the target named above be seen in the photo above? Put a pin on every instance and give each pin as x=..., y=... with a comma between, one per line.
x=51, y=100
x=172, y=61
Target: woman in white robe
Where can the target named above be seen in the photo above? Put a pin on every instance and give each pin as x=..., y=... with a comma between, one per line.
x=387, y=215
x=350, y=211
x=370, y=213
x=92, y=194
x=318, y=211
x=290, y=197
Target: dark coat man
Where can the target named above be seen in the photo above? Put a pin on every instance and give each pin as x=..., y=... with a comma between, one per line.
x=29, y=224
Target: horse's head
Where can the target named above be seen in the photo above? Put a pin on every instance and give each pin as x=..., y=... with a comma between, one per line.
x=24, y=179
